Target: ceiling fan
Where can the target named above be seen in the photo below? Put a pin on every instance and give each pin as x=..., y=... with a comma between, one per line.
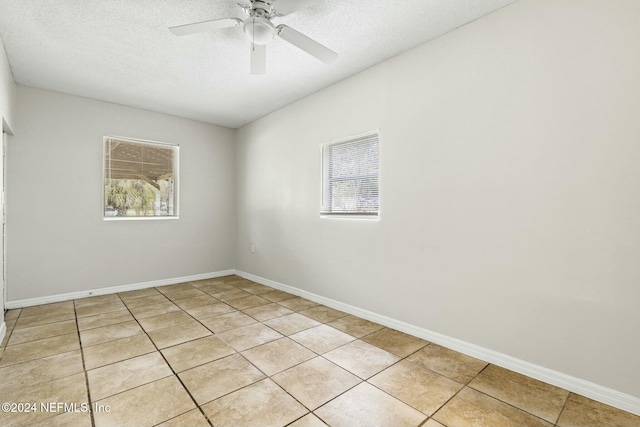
x=260, y=30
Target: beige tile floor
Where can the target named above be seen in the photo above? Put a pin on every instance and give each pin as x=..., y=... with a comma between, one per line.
x=231, y=352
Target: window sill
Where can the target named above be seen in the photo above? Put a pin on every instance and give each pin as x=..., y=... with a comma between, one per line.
x=350, y=216
x=138, y=218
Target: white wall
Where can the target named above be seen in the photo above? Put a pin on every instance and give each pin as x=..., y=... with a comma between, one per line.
x=57, y=239
x=7, y=94
x=7, y=91
x=509, y=189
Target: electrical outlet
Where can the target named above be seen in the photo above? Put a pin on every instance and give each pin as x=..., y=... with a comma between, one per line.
x=253, y=249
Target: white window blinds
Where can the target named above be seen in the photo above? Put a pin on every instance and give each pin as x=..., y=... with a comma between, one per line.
x=350, y=176
x=140, y=178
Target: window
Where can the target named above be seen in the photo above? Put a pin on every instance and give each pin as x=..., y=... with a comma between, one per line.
x=140, y=179
x=350, y=176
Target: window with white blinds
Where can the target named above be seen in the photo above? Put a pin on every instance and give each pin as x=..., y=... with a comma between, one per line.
x=350, y=171
x=140, y=179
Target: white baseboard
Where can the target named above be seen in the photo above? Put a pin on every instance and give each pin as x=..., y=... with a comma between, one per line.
x=3, y=330
x=588, y=389
x=28, y=302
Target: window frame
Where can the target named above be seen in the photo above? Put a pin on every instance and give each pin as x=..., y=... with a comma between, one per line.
x=325, y=180
x=176, y=179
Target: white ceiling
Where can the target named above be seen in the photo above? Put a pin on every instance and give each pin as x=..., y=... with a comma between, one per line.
x=121, y=51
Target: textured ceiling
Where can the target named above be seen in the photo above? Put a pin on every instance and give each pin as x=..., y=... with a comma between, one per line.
x=121, y=51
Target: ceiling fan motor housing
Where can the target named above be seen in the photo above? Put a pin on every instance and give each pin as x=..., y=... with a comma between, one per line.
x=259, y=9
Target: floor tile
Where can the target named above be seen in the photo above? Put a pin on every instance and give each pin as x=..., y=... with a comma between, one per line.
x=35, y=333
x=92, y=310
x=247, y=302
x=323, y=314
x=154, y=310
x=127, y=374
x=217, y=289
x=308, y=420
x=277, y=295
x=188, y=303
x=362, y=359
x=100, y=299
x=66, y=419
x=187, y=294
x=115, y=351
x=179, y=287
x=40, y=371
x=291, y=323
x=192, y=418
x=228, y=321
x=242, y=283
x=110, y=333
x=297, y=304
x=195, y=353
x=540, y=399
x=249, y=336
x=395, y=342
x=581, y=411
x=278, y=355
x=42, y=319
x=10, y=323
x=418, y=387
x=229, y=295
x=168, y=337
x=146, y=405
x=268, y=311
x=258, y=289
x=470, y=408
x=161, y=321
x=210, y=310
x=316, y=381
x=220, y=377
x=5, y=340
x=65, y=307
x=451, y=364
x=12, y=314
x=144, y=301
x=106, y=319
x=205, y=282
x=365, y=405
x=139, y=293
x=37, y=349
x=322, y=339
x=355, y=326
x=71, y=390
x=359, y=379
x=260, y=404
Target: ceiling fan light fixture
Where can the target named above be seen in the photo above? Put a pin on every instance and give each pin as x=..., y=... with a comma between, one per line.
x=259, y=30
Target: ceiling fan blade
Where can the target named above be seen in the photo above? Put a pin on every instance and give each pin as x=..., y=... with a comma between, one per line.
x=199, y=27
x=285, y=7
x=258, y=58
x=310, y=46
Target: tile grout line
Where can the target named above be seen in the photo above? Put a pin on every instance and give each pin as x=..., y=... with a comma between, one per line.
x=563, y=408
x=84, y=367
x=465, y=385
x=9, y=333
x=512, y=405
